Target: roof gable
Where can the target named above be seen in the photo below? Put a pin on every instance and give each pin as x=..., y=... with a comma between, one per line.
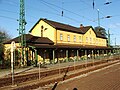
x=85, y=29
x=100, y=35
x=69, y=28
x=59, y=26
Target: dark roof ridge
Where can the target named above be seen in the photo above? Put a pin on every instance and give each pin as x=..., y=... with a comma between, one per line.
x=62, y=26
x=66, y=27
x=57, y=22
x=84, y=29
x=31, y=39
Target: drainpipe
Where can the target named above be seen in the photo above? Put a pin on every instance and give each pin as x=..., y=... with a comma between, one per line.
x=98, y=53
x=86, y=57
x=103, y=53
x=86, y=54
x=77, y=54
x=53, y=56
x=67, y=55
x=56, y=36
x=36, y=57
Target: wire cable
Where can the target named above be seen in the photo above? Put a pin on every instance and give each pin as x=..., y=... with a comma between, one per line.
x=67, y=10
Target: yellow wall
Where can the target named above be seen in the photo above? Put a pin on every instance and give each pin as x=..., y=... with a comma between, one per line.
x=89, y=37
x=8, y=50
x=92, y=39
x=49, y=32
x=64, y=39
x=101, y=42
x=8, y=46
x=54, y=35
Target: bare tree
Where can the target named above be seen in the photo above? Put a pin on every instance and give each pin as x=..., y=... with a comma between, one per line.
x=3, y=37
x=101, y=31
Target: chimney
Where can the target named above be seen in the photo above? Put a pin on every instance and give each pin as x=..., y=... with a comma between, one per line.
x=81, y=26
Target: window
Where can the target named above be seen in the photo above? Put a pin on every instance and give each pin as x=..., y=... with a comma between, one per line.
x=90, y=40
x=80, y=39
x=90, y=32
x=86, y=39
x=74, y=38
x=68, y=38
x=61, y=36
x=99, y=41
x=94, y=40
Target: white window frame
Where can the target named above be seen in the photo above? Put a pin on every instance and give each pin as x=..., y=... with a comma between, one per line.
x=86, y=39
x=80, y=39
x=68, y=37
x=61, y=36
x=74, y=38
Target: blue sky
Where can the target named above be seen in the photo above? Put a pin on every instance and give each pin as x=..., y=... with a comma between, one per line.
x=75, y=12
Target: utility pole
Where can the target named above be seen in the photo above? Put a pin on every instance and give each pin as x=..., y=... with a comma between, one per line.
x=108, y=38
x=98, y=18
x=115, y=41
x=12, y=60
x=22, y=23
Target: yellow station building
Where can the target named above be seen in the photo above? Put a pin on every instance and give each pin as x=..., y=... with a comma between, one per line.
x=50, y=41
x=62, y=34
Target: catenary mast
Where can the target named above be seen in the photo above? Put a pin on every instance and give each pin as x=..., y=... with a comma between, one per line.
x=22, y=23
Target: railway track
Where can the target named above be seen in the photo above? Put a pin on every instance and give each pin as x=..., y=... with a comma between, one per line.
x=35, y=75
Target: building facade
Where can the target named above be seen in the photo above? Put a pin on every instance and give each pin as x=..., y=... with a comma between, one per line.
x=65, y=34
x=49, y=42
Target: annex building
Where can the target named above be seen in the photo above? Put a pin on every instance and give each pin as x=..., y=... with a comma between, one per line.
x=50, y=41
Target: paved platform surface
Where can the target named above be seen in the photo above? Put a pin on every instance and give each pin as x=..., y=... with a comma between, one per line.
x=105, y=79
x=69, y=87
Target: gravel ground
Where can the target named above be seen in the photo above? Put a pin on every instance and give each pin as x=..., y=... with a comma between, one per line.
x=105, y=79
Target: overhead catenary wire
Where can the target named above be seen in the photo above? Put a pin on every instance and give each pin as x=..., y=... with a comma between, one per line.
x=53, y=13
x=49, y=12
x=75, y=20
x=8, y=17
x=11, y=3
x=62, y=12
x=31, y=15
x=72, y=13
x=67, y=10
x=93, y=4
x=4, y=10
x=48, y=4
x=57, y=13
x=95, y=8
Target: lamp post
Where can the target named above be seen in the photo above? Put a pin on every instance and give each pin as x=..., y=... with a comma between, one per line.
x=12, y=60
x=42, y=29
x=102, y=17
x=39, y=70
x=115, y=41
x=109, y=37
x=98, y=17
